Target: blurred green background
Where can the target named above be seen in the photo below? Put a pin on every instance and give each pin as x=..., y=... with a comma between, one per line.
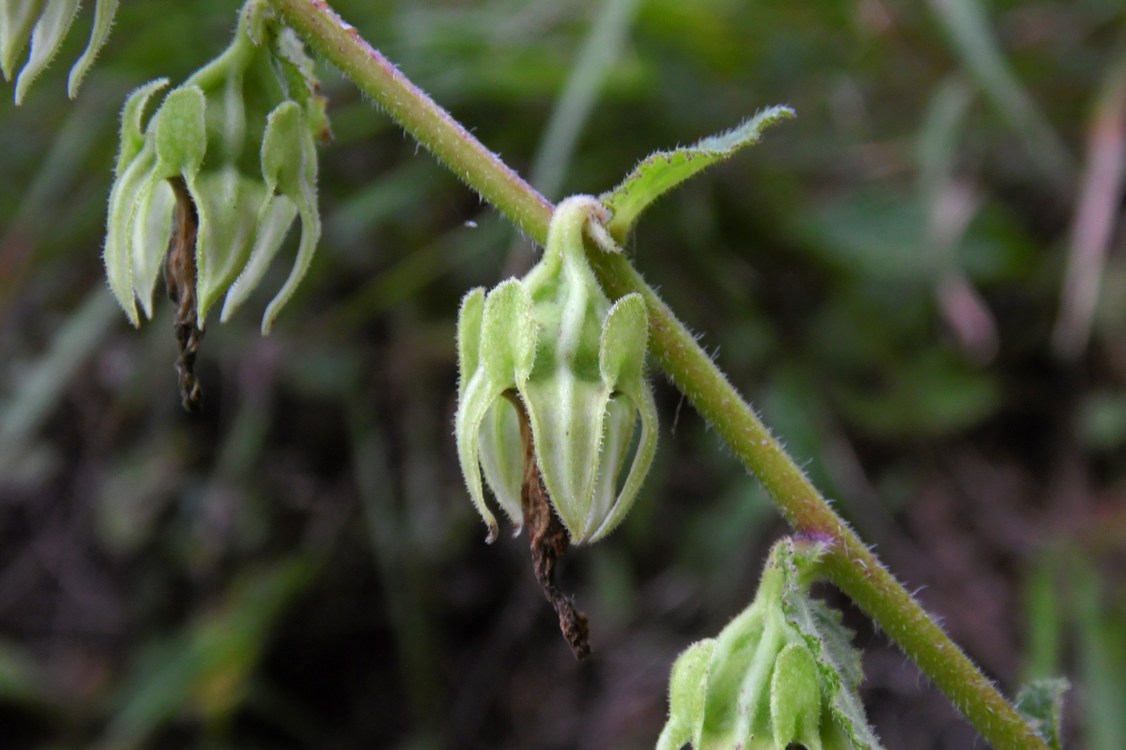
x=920, y=282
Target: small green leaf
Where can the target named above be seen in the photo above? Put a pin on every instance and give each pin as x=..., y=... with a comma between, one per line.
x=104, y=12
x=664, y=170
x=1041, y=703
x=46, y=39
x=831, y=644
x=16, y=19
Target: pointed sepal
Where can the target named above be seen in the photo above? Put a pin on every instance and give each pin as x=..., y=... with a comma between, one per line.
x=46, y=39
x=104, y=12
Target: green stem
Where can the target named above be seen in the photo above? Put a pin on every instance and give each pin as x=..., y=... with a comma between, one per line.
x=426, y=121
x=849, y=563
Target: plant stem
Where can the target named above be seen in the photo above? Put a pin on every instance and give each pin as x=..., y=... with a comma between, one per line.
x=426, y=121
x=849, y=563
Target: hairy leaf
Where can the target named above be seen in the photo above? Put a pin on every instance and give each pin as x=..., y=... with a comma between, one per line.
x=662, y=171
x=1041, y=702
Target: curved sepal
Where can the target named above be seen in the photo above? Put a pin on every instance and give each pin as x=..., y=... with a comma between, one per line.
x=469, y=318
x=642, y=405
x=275, y=217
x=480, y=395
x=152, y=227
x=16, y=19
x=625, y=339
x=46, y=39
x=568, y=417
x=289, y=166
x=502, y=459
x=227, y=204
x=118, y=254
x=104, y=12
x=132, y=116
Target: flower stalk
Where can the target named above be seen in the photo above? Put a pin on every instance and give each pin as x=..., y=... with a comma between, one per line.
x=847, y=562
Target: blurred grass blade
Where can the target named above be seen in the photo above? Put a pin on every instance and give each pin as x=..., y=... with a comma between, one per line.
x=46, y=39
x=16, y=19
x=573, y=108
x=1102, y=662
x=41, y=390
x=967, y=28
x=662, y=171
x=1042, y=602
x=22, y=681
x=937, y=148
x=103, y=20
x=950, y=203
x=1092, y=230
x=206, y=669
x=1041, y=702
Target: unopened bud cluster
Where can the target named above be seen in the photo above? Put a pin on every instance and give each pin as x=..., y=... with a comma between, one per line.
x=781, y=675
x=552, y=349
x=237, y=138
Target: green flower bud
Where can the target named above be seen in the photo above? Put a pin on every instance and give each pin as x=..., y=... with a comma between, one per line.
x=239, y=135
x=575, y=362
x=780, y=675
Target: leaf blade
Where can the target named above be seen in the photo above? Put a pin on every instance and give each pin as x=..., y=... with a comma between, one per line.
x=662, y=171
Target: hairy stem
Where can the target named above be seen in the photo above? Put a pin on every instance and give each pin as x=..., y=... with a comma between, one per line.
x=426, y=121
x=849, y=563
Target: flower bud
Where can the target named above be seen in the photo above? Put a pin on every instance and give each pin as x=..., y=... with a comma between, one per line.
x=238, y=137
x=780, y=675
x=575, y=362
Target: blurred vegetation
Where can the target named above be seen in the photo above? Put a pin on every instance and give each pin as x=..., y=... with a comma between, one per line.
x=894, y=279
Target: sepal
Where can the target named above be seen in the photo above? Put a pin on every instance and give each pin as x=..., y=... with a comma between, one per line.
x=45, y=24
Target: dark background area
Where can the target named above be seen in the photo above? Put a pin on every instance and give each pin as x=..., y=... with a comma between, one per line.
x=885, y=277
